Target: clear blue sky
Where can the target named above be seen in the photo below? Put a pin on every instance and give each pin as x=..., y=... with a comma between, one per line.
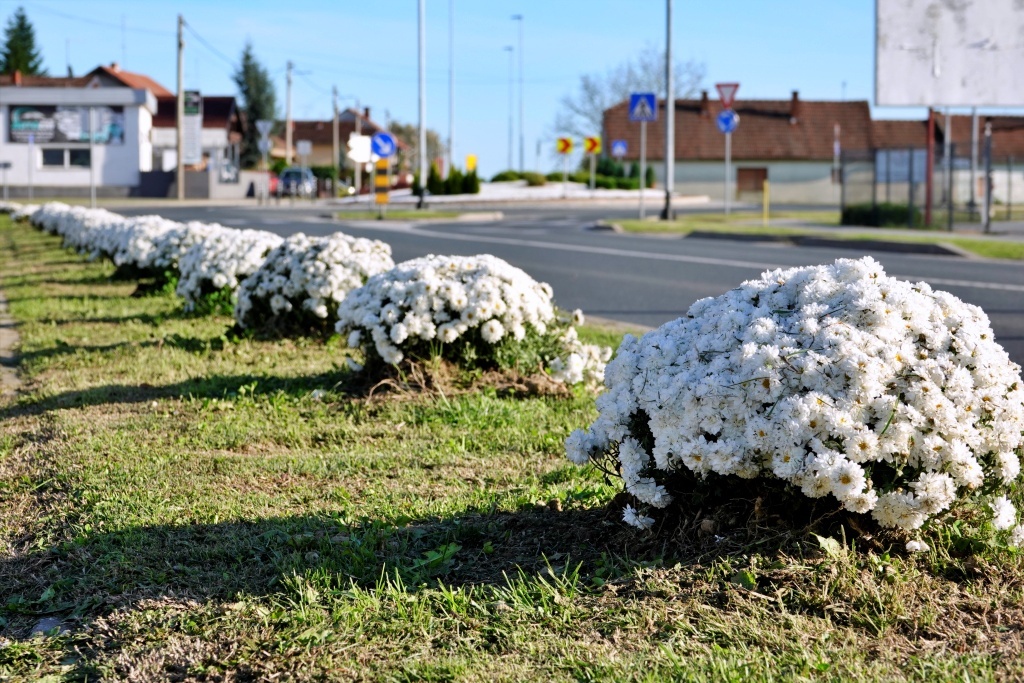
x=368, y=49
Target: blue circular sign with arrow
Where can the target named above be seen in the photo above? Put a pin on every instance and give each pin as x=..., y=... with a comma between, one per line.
x=727, y=121
x=383, y=144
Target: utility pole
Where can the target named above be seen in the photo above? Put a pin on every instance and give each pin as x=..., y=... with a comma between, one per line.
x=422, y=10
x=670, y=118
x=180, y=171
x=451, y=85
x=288, y=118
x=511, y=99
x=336, y=159
x=522, y=138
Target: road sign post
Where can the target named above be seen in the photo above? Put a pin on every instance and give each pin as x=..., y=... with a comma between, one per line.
x=592, y=146
x=643, y=107
x=381, y=186
x=4, y=165
x=564, y=147
x=263, y=126
x=727, y=121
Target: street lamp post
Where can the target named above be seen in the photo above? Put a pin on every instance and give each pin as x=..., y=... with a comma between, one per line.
x=522, y=134
x=421, y=11
x=511, y=69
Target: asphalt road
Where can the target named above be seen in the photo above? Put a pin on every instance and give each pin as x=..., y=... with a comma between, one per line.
x=636, y=279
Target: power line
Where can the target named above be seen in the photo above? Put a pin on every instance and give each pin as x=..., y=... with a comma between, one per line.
x=105, y=24
x=205, y=43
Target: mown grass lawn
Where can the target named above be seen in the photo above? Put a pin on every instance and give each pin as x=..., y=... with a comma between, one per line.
x=190, y=506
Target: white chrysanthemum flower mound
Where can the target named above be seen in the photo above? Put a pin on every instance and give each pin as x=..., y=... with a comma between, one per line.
x=836, y=380
x=217, y=263
x=472, y=310
x=301, y=282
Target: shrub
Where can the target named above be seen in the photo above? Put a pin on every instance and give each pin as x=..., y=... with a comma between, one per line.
x=554, y=176
x=650, y=176
x=325, y=172
x=298, y=286
x=453, y=183
x=471, y=183
x=881, y=216
x=506, y=176
x=216, y=265
x=476, y=311
x=277, y=166
x=534, y=179
x=435, y=184
x=627, y=184
x=832, y=380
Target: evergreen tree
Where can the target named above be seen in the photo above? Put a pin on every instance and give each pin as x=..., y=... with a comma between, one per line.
x=259, y=101
x=19, y=51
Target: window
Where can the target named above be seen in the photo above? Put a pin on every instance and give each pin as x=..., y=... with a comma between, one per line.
x=53, y=157
x=79, y=157
x=66, y=158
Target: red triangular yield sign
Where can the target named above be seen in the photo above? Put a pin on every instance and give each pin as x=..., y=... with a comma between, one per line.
x=727, y=91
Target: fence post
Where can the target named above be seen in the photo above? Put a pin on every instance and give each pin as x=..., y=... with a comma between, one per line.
x=987, y=218
x=842, y=182
x=888, y=176
x=1009, y=188
x=949, y=185
x=910, y=188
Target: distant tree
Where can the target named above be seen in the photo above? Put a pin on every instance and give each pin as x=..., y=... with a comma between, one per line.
x=581, y=112
x=409, y=134
x=259, y=101
x=19, y=51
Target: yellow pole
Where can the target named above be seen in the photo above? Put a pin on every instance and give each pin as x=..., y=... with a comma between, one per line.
x=765, y=202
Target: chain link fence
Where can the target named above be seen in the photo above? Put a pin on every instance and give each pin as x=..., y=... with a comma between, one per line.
x=887, y=187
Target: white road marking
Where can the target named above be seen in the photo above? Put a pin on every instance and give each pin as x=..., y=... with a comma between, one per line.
x=654, y=256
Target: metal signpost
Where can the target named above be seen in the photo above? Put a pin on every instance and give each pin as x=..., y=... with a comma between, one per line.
x=263, y=126
x=619, y=149
x=4, y=166
x=643, y=107
x=592, y=146
x=31, y=162
x=303, y=148
x=92, y=159
x=384, y=145
x=727, y=121
x=564, y=147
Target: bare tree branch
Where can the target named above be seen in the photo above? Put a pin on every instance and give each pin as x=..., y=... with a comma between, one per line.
x=582, y=111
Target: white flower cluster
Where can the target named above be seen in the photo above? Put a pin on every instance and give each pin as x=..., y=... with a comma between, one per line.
x=443, y=297
x=18, y=211
x=221, y=260
x=313, y=274
x=147, y=243
x=583, y=363
x=890, y=396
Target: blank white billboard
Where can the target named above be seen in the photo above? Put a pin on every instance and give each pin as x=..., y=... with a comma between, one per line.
x=967, y=53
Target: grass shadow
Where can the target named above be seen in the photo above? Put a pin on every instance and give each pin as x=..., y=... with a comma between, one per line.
x=98, y=572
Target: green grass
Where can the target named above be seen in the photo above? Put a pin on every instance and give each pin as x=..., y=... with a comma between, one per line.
x=396, y=215
x=195, y=507
x=740, y=224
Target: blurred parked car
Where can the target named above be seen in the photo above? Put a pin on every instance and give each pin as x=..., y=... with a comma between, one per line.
x=296, y=182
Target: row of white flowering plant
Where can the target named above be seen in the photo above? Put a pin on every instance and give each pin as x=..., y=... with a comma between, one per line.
x=830, y=383
x=299, y=285
x=478, y=312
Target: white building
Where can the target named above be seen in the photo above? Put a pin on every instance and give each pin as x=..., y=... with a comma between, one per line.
x=44, y=132
x=45, y=140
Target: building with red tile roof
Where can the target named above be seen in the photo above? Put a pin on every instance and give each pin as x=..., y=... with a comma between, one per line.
x=791, y=143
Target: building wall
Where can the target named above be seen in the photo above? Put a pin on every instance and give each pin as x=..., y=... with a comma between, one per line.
x=115, y=166
x=791, y=182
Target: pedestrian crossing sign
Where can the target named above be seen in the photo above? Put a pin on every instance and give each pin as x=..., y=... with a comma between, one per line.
x=643, y=106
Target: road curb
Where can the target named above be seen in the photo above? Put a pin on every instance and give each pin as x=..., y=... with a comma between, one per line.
x=929, y=248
